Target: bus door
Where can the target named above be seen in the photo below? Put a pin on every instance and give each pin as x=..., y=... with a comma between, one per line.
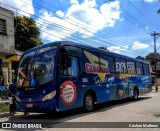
x=69, y=70
x=125, y=88
x=104, y=76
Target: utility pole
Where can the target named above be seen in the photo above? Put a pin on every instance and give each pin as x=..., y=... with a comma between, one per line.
x=155, y=53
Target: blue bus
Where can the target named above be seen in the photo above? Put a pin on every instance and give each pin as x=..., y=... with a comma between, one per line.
x=64, y=75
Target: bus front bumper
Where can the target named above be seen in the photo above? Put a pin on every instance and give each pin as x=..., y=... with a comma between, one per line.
x=40, y=106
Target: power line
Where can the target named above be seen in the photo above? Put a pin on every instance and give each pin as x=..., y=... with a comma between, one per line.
x=52, y=34
x=57, y=8
x=106, y=33
x=132, y=19
x=45, y=20
x=143, y=15
x=155, y=53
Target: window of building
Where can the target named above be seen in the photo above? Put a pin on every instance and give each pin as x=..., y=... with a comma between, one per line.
x=3, y=27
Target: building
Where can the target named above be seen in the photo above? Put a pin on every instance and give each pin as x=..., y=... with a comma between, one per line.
x=8, y=56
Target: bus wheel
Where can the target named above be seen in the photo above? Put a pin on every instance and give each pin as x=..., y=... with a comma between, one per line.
x=135, y=94
x=88, y=103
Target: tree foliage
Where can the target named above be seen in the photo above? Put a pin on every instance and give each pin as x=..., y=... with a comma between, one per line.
x=152, y=57
x=140, y=58
x=103, y=48
x=27, y=34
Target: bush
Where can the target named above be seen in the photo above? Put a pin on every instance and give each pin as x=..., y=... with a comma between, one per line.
x=4, y=107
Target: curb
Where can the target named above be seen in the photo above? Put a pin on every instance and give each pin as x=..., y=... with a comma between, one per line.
x=4, y=101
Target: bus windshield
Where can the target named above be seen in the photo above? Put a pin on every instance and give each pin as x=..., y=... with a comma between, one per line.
x=36, y=67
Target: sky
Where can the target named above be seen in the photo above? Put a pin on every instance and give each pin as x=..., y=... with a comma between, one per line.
x=123, y=26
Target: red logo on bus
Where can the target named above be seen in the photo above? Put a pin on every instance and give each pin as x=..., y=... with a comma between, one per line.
x=68, y=93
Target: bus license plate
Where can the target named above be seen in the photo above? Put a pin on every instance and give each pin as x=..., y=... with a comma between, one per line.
x=29, y=105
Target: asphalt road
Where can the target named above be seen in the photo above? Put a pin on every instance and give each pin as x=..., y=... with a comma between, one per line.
x=145, y=109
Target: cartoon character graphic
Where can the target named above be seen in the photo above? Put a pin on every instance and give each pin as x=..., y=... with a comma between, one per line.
x=109, y=84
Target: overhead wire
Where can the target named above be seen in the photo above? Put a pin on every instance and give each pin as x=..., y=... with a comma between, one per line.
x=47, y=32
x=105, y=33
x=133, y=19
x=157, y=28
x=50, y=5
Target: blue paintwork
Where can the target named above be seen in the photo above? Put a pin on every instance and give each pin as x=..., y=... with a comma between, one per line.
x=1, y=88
x=105, y=90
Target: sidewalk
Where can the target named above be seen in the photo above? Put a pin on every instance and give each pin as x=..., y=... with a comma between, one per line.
x=4, y=101
x=153, y=88
x=4, y=116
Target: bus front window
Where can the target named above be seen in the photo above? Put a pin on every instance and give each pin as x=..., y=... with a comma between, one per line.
x=36, y=67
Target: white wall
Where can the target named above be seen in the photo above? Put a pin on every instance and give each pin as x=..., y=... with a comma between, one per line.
x=7, y=42
x=158, y=80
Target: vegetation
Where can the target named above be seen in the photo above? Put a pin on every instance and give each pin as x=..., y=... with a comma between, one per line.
x=140, y=58
x=103, y=48
x=27, y=34
x=4, y=107
x=150, y=57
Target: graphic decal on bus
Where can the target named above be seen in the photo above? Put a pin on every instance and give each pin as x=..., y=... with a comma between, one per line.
x=126, y=69
x=68, y=93
x=96, y=67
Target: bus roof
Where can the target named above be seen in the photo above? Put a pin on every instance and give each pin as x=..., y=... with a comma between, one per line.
x=87, y=47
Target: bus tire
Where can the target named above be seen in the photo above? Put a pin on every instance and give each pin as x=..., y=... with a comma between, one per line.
x=88, y=103
x=135, y=94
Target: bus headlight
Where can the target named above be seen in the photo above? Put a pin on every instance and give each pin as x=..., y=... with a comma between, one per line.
x=49, y=96
x=17, y=98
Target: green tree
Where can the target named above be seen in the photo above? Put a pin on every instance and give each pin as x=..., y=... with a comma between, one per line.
x=152, y=58
x=27, y=34
x=103, y=48
x=140, y=58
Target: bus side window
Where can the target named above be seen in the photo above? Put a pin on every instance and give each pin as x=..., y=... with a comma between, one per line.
x=111, y=64
x=91, y=59
x=131, y=67
x=120, y=65
x=103, y=63
x=69, y=66
x=72, y=68
x=69, y=62
x=146, y=69
x=139, y=68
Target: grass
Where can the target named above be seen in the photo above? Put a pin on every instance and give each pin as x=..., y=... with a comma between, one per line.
x=4, y=107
